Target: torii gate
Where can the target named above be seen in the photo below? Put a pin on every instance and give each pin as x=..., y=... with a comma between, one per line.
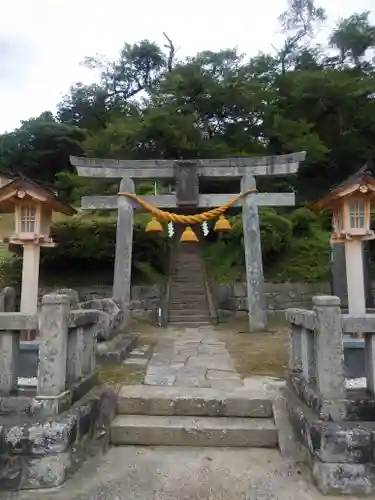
x=187, y=174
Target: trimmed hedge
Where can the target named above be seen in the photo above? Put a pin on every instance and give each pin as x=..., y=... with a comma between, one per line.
x=86, y=250
x=295, y=247
x=88, y=243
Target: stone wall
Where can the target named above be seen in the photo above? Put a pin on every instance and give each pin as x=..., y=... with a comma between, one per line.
x=146, y=299
x=279, y=296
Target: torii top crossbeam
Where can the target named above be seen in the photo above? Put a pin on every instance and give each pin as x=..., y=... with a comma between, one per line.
x=218, y=168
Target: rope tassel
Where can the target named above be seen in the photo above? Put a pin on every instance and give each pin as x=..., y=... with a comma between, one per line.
x=186, y=219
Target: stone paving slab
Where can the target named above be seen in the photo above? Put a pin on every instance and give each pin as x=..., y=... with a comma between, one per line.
x=191, y=357
x=222, y=375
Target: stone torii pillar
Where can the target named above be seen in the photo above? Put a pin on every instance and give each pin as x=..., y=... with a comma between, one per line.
x=242, y=169
x=253, y=258
x=124, y=245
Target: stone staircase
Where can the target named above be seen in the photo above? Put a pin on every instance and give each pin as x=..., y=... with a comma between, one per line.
x=193, y=416
x=188, y=297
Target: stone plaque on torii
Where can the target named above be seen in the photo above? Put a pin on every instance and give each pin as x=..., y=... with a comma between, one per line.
x=187, y=173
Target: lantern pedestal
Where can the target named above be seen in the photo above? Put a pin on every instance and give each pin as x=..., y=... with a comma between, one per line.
x=30, y=278
x=355, y=277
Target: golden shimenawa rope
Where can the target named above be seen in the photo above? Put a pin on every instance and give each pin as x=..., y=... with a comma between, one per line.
x=186, y=219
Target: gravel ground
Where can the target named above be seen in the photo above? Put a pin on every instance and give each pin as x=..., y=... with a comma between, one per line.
x=137, y=473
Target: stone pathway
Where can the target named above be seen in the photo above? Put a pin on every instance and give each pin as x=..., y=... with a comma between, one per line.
x=192, y=357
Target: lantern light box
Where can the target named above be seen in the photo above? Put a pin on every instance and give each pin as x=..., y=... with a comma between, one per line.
x=351, y=224
x=33, y=206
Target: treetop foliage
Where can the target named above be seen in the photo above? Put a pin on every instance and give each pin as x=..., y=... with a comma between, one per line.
x=151, y=104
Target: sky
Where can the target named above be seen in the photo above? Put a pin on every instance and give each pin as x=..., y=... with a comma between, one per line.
x=42, y=42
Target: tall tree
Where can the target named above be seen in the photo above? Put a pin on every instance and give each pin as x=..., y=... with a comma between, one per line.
x=138, y=68
x=353, y=37
x=40, y=148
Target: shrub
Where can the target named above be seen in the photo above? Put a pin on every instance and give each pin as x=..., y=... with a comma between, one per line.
x=304, y=221
x=225, y=258
x=276, y=232
x=87, y=244
x=306, y=260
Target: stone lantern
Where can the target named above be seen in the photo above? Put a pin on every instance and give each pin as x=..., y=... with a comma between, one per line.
x=32, y=206
x=351, y=225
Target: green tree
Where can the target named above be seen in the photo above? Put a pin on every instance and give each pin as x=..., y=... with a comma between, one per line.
x=40, y=148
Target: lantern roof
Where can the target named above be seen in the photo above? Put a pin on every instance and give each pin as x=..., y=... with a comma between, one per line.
x=21, y=187
x=351, y=185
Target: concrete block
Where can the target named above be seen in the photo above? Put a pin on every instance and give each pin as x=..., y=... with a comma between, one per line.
x=72, y=294
x=331, y=442
x=193, y=431
x=46, y=472
x=342, y=479
x=40, y=454
x=82, y=317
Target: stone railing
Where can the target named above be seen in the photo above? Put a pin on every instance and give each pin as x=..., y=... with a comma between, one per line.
x=316, y=347
x=67, y=344
x=332, y=419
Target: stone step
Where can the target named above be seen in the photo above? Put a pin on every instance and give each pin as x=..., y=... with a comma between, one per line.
x=191, y=309
x=188, y=314
x=183, y=268
x=193, y=277
x=188, y=285
x=182, y=298
x=192, y=401
x=188, y=276
x=193, y=319
x=193, y=431
x=189, y=324
x=180, y=264
x=182, y=305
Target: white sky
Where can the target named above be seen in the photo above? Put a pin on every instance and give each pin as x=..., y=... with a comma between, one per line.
x=43, y=41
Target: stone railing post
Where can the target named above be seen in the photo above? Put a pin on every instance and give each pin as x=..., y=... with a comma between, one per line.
x=295, y=349
x=370, y=361
x=53, y=333
x=83, y=328
x=9, y=356
x=329, y=348
x=75, y=355
x=10, y=299
x=308, y=354
x=89, y=350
